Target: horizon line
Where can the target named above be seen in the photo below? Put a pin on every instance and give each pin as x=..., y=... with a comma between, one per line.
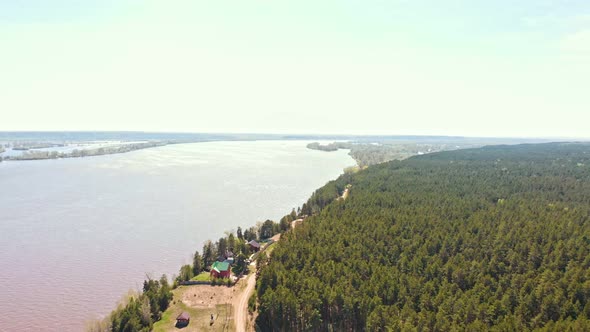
x=297, y=134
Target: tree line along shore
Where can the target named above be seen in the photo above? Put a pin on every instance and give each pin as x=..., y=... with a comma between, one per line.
x=231, y=253
x=495, y=238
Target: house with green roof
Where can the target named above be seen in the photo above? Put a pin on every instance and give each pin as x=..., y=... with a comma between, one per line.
x=220, y=270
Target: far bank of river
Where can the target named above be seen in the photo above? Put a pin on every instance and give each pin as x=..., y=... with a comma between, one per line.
x=85, y=230
x=75, y=150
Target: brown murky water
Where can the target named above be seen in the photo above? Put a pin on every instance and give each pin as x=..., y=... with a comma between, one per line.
x=76, y=234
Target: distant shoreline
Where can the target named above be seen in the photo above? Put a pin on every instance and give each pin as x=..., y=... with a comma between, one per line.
x=364, y=149
x=34, y=154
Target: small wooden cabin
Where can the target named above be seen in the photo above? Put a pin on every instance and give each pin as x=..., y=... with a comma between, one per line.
x=254, y=246
x=183, y=319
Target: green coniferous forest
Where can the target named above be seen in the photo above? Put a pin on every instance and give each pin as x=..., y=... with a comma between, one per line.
x=495, y=238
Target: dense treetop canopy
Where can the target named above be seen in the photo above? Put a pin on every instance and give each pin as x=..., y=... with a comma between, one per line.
x=495, y=238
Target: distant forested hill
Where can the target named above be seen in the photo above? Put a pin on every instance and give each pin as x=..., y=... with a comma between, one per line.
x=495, y=238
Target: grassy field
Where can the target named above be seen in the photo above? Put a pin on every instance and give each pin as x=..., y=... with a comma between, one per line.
x=204, y=276
x=200, y=317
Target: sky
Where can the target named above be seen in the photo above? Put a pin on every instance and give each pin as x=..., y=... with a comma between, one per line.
x=387, y=67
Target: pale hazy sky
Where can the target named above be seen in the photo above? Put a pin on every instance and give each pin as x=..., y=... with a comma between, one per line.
x=478, y=68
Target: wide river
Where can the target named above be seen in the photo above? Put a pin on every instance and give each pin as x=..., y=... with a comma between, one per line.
x=76, y=234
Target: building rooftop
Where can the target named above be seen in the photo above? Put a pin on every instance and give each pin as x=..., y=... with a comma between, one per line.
x=220, y=266
x=183, y=316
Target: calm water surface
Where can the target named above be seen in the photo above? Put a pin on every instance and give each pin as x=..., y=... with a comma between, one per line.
x=76, y=234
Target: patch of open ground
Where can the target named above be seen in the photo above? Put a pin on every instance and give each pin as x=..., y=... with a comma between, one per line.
x=200, y=301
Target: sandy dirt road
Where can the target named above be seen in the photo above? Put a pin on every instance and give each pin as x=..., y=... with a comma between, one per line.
x=241, y=310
